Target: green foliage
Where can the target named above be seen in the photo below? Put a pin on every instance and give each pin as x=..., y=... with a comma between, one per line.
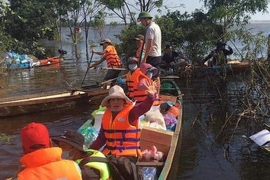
x=24, y=23
x=253, y=44
x=5, y=138
x=193, y=33
x=113, y=4
x=127, y=45
x=232, y=12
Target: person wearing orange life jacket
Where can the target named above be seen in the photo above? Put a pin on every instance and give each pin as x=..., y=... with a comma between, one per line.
x=145, y=79
x=109, y=54
x=72, y=144
x=40, y=159
x=119, y=130
x=139, y=39
x=132, y=77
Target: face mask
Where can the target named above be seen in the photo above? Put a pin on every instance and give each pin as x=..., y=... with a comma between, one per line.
x=132, y=67
x=149, y=74
x=66, y=155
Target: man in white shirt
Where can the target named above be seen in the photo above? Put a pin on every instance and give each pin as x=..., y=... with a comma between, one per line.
x=153, y=54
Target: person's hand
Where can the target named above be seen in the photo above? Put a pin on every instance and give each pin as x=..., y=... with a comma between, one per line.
x=151, y=89
x=91, y=66
x=93, y=51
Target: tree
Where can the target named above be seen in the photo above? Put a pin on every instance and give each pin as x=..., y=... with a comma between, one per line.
x=123, y=9
x=233, y=12
x=27, y=22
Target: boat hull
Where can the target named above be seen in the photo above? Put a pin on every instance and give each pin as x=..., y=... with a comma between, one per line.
x=167, y=169
x=26, y=104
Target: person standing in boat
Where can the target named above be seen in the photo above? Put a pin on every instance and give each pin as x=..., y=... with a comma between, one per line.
x=40, y=159
x=109, y=54
x=140, y=52
x=119, y=130
x=169, y=59
x=219, y=55
x=72, y=144
x=153, y=37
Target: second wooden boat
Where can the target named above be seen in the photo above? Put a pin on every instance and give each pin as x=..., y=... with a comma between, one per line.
x=43, y=102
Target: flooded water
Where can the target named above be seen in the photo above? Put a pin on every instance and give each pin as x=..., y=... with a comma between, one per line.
x=201, y=157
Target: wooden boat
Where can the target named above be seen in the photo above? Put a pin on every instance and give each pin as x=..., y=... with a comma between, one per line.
x=43, y=102
x=232, y=68
x=47, y=62
x=169, y=91
x=167, y=169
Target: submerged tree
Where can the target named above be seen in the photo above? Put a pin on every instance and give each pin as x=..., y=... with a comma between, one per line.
x=233, y=12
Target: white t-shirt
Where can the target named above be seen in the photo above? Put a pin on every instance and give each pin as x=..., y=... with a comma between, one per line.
x=153, y=32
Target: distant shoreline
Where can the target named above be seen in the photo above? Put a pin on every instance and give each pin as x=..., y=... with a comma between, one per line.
x=250, y=22
x=259, y=21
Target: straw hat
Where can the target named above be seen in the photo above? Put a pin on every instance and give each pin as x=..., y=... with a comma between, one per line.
x=107, y=40
x=115, y=92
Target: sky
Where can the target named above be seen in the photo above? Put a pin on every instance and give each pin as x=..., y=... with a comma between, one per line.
x=191, y=5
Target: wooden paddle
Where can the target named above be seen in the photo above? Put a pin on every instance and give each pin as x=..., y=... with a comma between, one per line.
x=87, y=68
x=104, y=82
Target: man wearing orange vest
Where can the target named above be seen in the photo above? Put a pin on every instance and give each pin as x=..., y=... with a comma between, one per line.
x=41, y=160
x=119, y=130
x=109, y=54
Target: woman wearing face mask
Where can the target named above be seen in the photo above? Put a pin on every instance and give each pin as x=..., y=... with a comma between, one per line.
x=148, y=71
x=132, y=77
x=119, y=130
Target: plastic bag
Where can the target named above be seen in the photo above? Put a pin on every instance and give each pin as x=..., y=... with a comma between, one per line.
x=149, y=173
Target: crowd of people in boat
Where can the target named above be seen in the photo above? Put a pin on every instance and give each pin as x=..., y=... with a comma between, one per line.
x=63, y=157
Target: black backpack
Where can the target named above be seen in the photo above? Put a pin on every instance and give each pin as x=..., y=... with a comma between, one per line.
x=121, y=168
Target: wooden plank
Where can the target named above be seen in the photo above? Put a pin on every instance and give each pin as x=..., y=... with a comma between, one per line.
x=152, y=164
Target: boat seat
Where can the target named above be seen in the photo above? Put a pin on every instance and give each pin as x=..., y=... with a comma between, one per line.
x=167, y=88
x=152, y=164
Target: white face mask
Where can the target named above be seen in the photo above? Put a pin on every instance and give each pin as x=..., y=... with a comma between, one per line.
x=149, y=74
x=132, y=67
x=66, y=155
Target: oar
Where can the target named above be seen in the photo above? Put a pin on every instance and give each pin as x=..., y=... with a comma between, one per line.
x=87, y=69
x=108, y=68
x=104, y=82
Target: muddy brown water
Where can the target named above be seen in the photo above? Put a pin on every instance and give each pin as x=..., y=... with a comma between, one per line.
x=200, y=158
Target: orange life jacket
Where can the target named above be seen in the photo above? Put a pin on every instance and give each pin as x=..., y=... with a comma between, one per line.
x=122, y=138
x=132, y=80
x=46, y=164
x=140, y=95
x=112, y=58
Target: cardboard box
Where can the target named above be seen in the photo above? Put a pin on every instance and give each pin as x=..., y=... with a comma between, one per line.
x=164, y=98
x=156, y=137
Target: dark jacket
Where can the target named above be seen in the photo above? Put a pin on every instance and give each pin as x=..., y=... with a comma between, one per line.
x=219, y=56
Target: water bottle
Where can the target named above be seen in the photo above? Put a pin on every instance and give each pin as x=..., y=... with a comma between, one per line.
x=149, y=173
